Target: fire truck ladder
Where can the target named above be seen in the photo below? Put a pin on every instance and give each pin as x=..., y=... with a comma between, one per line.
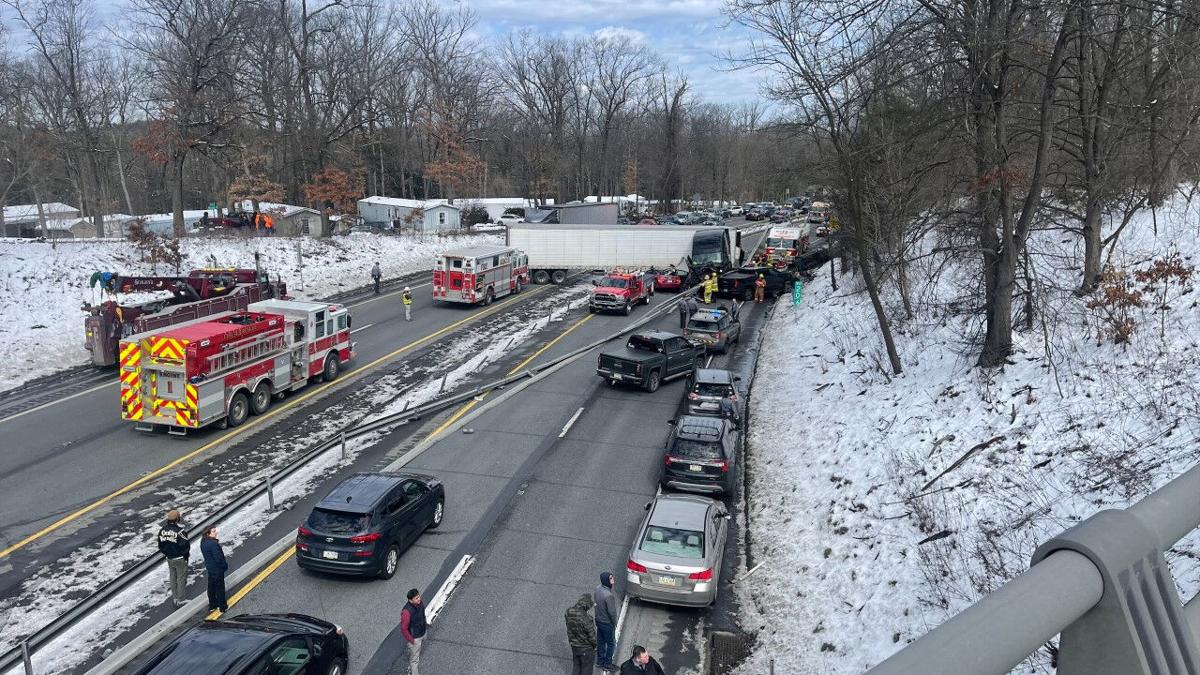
x=243, y=351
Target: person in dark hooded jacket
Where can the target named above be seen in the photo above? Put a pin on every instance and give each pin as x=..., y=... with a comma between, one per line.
x=580, y=636
x=606, y=622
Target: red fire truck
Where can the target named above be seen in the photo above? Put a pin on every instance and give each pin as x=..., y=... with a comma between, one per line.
x=479, y=274
x=223, y=368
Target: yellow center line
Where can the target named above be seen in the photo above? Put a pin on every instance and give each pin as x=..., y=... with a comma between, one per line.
x=270, y=569
x=258, y=579
x=245, y=427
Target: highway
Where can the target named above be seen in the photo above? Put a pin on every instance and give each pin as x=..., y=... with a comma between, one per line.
x=79, y=498
x=542, y=495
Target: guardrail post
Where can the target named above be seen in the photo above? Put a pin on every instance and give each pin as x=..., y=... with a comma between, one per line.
x=270, y=495
x=1138, y=627
x=442, y=388
x=343, y=439
x=25, y=657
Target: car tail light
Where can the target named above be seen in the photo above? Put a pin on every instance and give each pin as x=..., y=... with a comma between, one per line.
x=667, y=460
x=718, y=335
x=302, y=547
x=303, y=531
x=706, y=575
x=693, y=396
x=365, y=538
x=724, y=464
x=639, y=369
x=635, y=567
x=362, y=554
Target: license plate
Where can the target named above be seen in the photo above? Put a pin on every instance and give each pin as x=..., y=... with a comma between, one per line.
x=708, y=405
x=617, y=376
x=695, y=467
x=668, y=581
x=332, y=555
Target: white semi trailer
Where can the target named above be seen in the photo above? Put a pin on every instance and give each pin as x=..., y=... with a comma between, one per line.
x=555, y=250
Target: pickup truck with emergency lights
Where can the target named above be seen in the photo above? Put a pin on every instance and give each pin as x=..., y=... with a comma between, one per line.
x=223, y=368
x=619, y=291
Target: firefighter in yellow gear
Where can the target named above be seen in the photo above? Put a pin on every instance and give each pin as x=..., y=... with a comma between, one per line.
x=710, y=287
x=760, y=288
x=407, y=298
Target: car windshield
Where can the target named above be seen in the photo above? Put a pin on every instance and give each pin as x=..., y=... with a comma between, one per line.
x=642, y=344
x=673, y=542
x=610, y=282
x=337, y=522
x=690, y=449
x=706, y=389
x=696, y=324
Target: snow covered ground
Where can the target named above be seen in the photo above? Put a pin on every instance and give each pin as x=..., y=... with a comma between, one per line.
x=43, y=286
x=881, y=505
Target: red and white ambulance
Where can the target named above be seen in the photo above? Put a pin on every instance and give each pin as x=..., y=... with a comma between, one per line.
x=226, y=367
x=479, y=274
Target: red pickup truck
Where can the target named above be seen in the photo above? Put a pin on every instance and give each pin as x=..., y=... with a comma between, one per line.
x=620, y=291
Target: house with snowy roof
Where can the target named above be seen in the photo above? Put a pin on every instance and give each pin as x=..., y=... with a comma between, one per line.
x=22, y=220
x=422, y=215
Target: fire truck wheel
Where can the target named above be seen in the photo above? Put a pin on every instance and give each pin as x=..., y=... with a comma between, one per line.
x=628, y=308
x=558, y=277
x=488, y=297
x=261, y=400
x=239, y=409
x=330, y=373
x=541, y=276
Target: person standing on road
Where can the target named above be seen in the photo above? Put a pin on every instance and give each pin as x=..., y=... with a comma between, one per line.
x=174, y=546
x=215, y=566
x=760, y=288
x=641, y=663
x=376, y=274
x=580, y=636
x=606, y=622
x=407, y=298
x=412, y=627
x=684, y=313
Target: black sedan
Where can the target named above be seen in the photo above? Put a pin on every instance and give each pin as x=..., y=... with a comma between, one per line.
x=367, y=521
x=288, y=644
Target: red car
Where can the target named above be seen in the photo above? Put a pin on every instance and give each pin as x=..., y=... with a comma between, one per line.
x=668, y=281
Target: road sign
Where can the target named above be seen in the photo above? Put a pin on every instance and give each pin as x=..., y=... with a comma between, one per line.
x=797, y=292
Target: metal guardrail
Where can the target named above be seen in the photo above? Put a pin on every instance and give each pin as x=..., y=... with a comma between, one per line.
x=89, y=604
x=1103, y=584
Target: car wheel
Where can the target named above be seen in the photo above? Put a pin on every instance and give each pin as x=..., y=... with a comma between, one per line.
x=391, y=562
x=541, y=277
x=239, y=409
x=652, y=382
x=261, y=400
x=439, y=512
x=330, y=372
x=338, y=667
x=628, y=308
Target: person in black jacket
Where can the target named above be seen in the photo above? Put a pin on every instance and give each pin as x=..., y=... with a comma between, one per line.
x=174, y=546
x=215, y=566
x=641, y=663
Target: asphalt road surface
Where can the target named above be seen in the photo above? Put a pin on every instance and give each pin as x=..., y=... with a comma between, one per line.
x=544, y=493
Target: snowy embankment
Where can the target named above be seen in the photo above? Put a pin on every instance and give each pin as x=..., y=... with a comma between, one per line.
x=881, y=505
x=43, y=287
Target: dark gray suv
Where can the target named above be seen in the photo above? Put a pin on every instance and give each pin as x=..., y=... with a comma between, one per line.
x=701, y=456
x=367, y=521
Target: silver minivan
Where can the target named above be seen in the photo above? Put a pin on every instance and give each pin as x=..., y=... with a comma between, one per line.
x=676, y=556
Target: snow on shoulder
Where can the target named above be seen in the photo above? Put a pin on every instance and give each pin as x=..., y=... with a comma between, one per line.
x=43, y=286
x=882, y=505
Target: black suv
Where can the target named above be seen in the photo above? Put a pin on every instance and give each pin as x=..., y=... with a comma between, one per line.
x=367, y=521
x=701, y=455
x=283, y=644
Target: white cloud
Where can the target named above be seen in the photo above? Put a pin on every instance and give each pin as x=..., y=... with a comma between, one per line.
x=621, y=34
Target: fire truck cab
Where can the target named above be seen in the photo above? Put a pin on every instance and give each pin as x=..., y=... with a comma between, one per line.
x=784, y=245
x=479, y=274
x=222, y=369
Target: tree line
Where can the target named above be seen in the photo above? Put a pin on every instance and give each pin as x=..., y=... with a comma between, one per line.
x=980, y=121
x=178, y=103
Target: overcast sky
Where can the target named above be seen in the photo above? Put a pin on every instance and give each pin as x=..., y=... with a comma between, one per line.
x=691, y=35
